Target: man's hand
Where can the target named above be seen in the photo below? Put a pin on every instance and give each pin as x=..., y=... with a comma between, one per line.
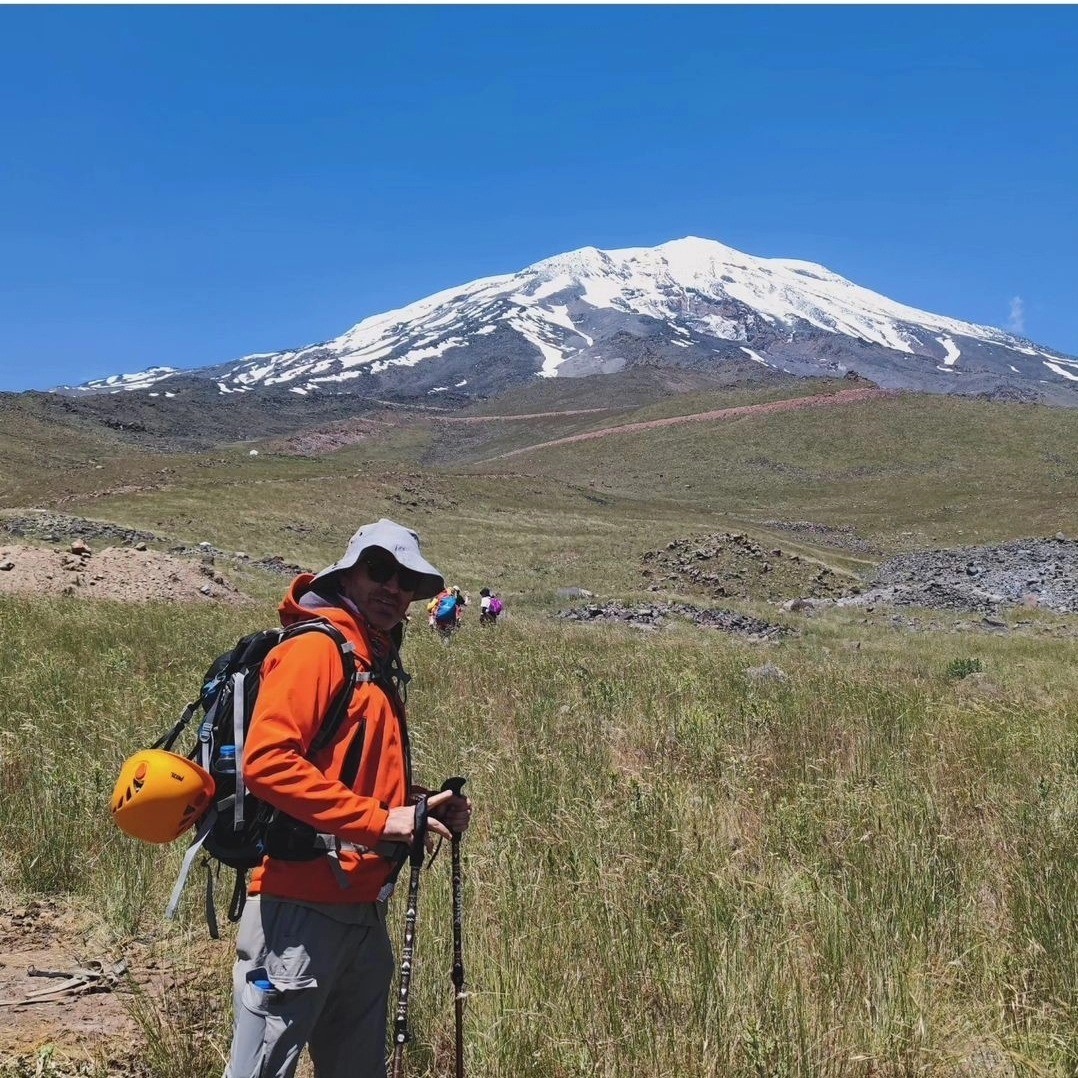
x=455, y=813
x=400, y=827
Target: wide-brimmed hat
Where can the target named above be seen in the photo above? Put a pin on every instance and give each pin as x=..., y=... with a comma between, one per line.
x=395, y=539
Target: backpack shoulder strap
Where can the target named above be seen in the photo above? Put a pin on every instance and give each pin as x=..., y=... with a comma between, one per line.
x=353, y=676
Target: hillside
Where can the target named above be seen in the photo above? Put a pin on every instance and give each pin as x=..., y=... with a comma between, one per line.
x=825, y=820
x=914, y=470
x=897, y=474
x=192, y=416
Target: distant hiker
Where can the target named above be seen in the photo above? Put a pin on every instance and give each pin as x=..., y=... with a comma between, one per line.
x=314, y=961
x=490, y=606
x=446, y=610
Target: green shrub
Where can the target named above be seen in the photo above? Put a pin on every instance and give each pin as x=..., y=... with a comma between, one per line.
x=957, y=669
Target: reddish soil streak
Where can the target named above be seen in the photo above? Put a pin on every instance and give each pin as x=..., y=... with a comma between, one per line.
x=823, y=400
x=523, y=415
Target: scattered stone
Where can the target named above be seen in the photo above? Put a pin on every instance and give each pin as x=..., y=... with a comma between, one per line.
x=765, y=673
x=842, y=536
x=49, y=527
x=731, y=564
x=277, y=564
x=655, y=616
x=80, y=548
x=6, y=566
x=118, y=573
x=140, y=546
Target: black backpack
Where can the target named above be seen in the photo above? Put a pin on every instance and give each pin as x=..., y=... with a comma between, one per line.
x=240, y=829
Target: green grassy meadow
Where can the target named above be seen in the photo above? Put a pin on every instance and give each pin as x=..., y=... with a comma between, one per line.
x=866, y=869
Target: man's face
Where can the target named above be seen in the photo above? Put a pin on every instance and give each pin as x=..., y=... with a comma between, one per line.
x=375, y=586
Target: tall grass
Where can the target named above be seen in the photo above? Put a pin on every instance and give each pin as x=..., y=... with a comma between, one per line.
x=673, y=870
x=84, y=685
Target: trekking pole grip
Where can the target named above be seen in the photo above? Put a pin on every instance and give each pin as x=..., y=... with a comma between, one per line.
x=456, y=785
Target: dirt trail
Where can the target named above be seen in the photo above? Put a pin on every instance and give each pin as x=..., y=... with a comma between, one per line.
x=823, y=400
x=523, y=415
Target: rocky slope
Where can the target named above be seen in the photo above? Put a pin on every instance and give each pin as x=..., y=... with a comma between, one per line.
x=1029, y=572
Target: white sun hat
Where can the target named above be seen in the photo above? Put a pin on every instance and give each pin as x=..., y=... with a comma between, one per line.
x=395, y=539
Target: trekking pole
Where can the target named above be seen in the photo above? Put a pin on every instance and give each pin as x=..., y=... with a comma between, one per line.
x=401, y=1034
x=457, y=786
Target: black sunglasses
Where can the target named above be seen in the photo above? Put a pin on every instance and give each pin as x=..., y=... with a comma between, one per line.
x=382, y=567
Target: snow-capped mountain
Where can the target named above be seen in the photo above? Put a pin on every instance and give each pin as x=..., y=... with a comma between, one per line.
x=690, y=302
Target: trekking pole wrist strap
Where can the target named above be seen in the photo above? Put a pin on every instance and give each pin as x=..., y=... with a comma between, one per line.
x=419, y=833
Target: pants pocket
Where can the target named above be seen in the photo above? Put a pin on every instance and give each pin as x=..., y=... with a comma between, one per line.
x=266, y=994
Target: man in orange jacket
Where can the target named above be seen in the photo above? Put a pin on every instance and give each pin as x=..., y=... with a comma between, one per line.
x=314, y=961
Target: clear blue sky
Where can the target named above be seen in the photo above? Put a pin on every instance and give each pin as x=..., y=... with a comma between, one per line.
x=184, y=185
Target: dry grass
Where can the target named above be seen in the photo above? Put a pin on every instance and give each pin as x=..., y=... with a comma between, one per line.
x=673, y=870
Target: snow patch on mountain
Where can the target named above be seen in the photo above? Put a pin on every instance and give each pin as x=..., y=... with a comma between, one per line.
x=754, y=356
x=952, y=350
x=117, y=383
x=1072, y=375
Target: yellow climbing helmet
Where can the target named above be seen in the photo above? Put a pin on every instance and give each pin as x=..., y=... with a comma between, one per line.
x=159, y=795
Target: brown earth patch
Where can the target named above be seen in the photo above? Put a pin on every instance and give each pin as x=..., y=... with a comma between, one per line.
x=121, y=573
x=39, y=940
x=161, y=997
x=372, y=426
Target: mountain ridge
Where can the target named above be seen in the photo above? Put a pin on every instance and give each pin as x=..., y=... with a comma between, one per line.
x=690, y=302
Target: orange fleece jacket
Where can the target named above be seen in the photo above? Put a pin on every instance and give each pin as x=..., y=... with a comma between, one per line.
x=299, y=681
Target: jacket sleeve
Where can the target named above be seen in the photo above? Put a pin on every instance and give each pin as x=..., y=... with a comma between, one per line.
x=299, y=680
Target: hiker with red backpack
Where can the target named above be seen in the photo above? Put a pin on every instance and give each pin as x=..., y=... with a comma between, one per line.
x=314, y=961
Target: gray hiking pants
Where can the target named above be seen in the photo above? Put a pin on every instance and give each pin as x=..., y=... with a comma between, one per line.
x=330, y=982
